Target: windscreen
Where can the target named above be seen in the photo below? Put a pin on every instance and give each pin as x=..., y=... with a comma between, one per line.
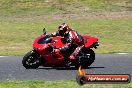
x=45, y=39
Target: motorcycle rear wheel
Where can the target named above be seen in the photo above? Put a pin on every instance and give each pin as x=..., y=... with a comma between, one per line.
x=85, y=62
x=31, y=60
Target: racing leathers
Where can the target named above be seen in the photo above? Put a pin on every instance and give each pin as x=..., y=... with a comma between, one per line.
x=72, y=38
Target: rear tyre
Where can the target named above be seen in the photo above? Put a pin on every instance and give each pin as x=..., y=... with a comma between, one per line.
x=31, y=60
x=85, y=58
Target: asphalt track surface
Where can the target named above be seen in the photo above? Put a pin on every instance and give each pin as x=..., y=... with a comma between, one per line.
x=11, y=68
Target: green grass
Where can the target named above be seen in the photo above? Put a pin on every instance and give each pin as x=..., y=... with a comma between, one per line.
x=114, y=35
x=57, y=84
x=21, y=21
x=13, y=7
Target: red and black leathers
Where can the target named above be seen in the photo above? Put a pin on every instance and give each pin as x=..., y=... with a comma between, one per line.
x=71, y=38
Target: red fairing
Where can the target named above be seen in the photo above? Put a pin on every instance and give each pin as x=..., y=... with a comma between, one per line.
x=36, y=45
x=55, y=59
x=51, y=59
x=58, y=43
x=89, y=40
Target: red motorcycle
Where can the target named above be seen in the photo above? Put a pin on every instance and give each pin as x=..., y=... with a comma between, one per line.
x=43, y=53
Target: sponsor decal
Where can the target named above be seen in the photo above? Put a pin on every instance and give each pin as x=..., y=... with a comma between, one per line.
x=83, y=78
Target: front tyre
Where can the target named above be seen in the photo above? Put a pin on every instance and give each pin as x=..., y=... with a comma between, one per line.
x=31, y=60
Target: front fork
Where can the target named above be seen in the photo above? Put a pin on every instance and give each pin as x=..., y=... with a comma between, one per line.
x=35, y=50
x=36, y=53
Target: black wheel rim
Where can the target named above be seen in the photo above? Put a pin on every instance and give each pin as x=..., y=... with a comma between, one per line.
x=32, y=61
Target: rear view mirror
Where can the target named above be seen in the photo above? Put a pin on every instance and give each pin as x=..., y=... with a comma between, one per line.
x=44, y=31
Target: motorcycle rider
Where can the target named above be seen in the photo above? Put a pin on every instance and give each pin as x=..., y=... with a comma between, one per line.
x=71, y=37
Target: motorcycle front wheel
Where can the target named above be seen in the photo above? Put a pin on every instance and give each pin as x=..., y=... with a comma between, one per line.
x=31, y=60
